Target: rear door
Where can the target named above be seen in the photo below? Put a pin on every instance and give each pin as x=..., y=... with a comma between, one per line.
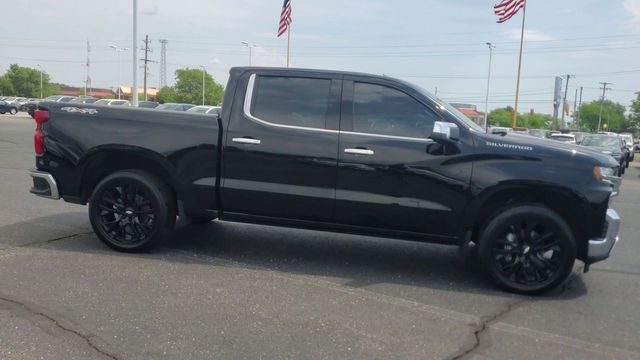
x=391, y=176
x=280, y=154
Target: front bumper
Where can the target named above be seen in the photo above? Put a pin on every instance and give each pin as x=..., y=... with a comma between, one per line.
x=600, y=248
x=44, y=185
x=615, y=184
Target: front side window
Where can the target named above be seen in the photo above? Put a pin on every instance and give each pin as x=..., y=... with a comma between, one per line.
x=382, y=110
x=292, y=101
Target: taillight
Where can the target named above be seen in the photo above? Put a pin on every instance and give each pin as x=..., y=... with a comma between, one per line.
x=41, y=116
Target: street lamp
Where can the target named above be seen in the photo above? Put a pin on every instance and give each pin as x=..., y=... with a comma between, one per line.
x=249, y=46
x=118, y=51
x=486, y=100
x=40, y=67
x=204, y=71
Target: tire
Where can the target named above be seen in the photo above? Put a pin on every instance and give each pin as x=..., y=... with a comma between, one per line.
x=132, y=211
x=527, y=249
x=3, y=112
x=199, y=220
x=13, y=111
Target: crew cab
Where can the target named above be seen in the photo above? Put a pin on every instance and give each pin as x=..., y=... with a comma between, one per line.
x=335, y=151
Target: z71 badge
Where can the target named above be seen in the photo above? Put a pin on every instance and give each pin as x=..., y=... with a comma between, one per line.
x=80, y=110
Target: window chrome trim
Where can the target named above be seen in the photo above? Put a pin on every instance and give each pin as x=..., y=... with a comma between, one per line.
x=248, y=98
x=247, y=112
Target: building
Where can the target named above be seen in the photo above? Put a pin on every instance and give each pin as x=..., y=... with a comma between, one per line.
x=471, y=111
x=152, y=93
x=76, y=91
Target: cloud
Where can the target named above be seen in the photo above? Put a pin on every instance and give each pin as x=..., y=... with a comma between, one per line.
x=633, y=6
x=530, y=35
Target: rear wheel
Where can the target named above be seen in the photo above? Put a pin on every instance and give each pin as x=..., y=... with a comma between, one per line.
x=132, y=211
x=13, y=111
x=528, y=249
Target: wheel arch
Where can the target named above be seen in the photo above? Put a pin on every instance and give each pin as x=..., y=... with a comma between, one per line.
x=568, y=204
x=104, y=160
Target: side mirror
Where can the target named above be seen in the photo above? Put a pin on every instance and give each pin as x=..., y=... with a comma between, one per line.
x=445, y=131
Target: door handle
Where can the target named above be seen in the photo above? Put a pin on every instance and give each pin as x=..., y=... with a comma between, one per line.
x=247, y=141
x=359, y=151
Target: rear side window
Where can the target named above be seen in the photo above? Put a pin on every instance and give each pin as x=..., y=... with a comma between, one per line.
x=382, y=110
x=292, y=101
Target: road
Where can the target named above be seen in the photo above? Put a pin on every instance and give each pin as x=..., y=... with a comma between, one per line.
x=233, y=291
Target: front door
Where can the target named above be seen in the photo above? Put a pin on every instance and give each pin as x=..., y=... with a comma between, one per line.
x=391, y=176
x=280, y=153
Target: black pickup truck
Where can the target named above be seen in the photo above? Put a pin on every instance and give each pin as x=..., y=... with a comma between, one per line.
x=336, y=151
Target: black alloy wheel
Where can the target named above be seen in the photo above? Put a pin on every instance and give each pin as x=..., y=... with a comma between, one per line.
x=528, y=249
x=131, y=211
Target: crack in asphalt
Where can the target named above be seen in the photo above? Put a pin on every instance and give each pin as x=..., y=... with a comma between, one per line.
x=66, y=237
x=87, y=336
x=479, y=329
x=487, y=321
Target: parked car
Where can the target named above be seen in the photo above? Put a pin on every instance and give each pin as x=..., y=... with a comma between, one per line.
x=148, y=104
x=610, y=145
x=630, y=143
x=174, y=107
x=568, y=138
x=60, y=98
x=202, y=109
x=334, y=151
x=112, y=102
x=539, y=133
x=84, y=100
x=500, y=130
x=6, y=107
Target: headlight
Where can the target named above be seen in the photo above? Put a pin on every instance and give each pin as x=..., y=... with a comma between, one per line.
x=602, y=172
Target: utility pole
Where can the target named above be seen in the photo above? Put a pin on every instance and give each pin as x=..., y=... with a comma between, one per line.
x=579, y=105
x=204, y=72
x=146, y=61
x=575, y=107
x=564, y=100
x=604, y=92
x=39, y=66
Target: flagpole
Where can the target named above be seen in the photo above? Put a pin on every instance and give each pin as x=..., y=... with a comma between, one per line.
x=515, y=109
x=288, y=42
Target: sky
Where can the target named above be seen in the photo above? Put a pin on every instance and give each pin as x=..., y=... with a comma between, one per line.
x=432, y=43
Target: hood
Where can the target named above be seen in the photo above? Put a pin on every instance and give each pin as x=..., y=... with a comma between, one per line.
x=527, y=145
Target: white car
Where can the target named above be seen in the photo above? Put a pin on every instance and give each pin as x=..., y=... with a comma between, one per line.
x=203, y=109
x=568, y=138
x=631, y=144
x=112, y=102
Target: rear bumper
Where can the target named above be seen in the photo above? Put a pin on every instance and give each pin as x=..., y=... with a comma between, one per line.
x=44, y=185
x=600, y=248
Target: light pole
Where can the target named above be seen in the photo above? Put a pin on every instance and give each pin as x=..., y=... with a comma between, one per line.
x=204, y=71
x=249, y=46
x=40, y=67
x=486, y=100
x=118, y=51
x=134, y=47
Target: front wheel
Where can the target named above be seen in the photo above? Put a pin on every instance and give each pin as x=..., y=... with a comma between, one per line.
x=527, y=249
x=132, y=211
x=13, y=111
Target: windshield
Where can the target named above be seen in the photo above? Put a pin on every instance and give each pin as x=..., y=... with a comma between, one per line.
x=198, y=109
x=601, y=141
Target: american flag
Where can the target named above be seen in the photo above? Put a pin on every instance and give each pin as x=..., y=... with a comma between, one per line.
x=507, y=8
x=285, y=18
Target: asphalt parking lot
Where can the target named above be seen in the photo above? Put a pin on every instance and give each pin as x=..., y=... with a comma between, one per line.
x=232, y=291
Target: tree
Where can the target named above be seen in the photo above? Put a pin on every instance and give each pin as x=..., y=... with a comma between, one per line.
x=26, y=82
x=632, y=124
x=612, y=116
x=167, y=95
x=503, y=117
x=6, y=87
x=188, y=88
